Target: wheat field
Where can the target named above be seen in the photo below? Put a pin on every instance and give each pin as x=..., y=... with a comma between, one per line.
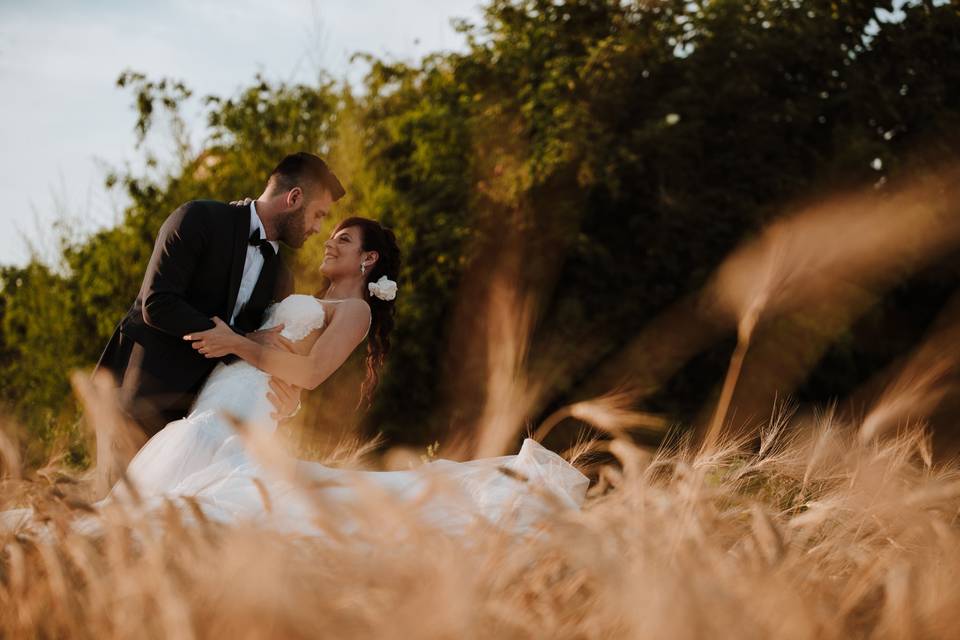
x=817, y=535
x=813, y=525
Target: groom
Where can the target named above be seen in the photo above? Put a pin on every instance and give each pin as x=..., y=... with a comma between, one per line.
x=213, y=259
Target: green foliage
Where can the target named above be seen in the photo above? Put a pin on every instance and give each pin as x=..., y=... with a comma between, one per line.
x=624, y=148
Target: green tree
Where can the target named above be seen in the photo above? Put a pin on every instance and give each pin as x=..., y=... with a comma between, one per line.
x=609, y=154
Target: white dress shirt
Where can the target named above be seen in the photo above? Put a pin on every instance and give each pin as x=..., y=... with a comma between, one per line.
x=253, y=263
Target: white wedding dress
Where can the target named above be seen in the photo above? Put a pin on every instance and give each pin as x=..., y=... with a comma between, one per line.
x=204, y=458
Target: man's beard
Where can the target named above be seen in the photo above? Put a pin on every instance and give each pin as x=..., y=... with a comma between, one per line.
x=292, y=228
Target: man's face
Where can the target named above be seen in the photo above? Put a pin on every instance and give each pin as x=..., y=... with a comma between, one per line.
x=306, y=219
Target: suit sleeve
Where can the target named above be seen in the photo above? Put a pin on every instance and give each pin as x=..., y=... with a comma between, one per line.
x=180, y=244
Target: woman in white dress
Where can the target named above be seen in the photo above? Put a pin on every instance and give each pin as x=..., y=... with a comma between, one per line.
x=203, y=456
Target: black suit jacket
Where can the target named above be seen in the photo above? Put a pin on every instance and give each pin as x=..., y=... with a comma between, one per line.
x=194, y=274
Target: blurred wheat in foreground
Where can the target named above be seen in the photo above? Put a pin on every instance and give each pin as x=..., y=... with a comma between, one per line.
x=819, y=536
x=814, y=529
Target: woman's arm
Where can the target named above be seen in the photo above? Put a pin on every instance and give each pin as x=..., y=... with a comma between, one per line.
x=345, y=331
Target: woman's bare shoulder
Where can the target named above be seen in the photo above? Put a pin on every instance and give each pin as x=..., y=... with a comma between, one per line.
x=349, y=310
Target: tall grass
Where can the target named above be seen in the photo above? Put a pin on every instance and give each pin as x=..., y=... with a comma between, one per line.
x=816, y=535
x=810, y=527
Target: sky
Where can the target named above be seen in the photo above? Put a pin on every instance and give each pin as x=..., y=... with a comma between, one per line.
x=64, y=123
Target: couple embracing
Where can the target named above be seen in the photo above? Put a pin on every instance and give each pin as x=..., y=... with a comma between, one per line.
x=216, y=335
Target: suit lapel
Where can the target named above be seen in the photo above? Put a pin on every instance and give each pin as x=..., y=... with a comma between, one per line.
x=241, y=236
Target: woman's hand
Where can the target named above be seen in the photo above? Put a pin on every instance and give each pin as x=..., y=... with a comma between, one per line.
x=285, y=399
x=216, y=342
x=245, y=201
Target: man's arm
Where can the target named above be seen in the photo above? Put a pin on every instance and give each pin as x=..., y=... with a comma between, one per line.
x=180, y=243
x=345, y=331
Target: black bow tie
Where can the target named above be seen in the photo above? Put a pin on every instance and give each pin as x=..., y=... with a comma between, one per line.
x=265, y=247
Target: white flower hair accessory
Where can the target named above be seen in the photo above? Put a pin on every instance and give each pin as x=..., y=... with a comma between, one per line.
x=384, y=288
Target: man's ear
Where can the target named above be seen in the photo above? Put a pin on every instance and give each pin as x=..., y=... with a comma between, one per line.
x=293, y=198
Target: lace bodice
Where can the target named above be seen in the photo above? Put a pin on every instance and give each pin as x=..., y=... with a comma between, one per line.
x=239, y=388
x=300, y=314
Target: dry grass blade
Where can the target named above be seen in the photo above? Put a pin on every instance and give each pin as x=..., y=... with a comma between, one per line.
x=509, y=393
x=612, y=412
x=865, y=238
x=117, y=441
x=9, y=457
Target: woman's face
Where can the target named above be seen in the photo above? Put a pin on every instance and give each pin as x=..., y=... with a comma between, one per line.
x=342, y=254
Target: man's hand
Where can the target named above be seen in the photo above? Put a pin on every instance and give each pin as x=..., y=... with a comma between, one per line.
x=216, y=342
x=271, y=338
x=245, y=201
x=285, y=398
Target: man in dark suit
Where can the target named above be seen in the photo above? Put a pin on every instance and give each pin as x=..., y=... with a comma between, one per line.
x=213, y=259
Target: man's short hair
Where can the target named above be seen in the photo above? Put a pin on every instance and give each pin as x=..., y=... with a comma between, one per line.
x=298, y=169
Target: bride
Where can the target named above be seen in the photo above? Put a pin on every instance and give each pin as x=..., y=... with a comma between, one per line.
x=206, y=458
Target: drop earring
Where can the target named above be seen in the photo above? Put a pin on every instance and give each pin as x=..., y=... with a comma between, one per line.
x=363, y=268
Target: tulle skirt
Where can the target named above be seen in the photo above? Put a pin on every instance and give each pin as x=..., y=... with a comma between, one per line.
x=202, y=458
